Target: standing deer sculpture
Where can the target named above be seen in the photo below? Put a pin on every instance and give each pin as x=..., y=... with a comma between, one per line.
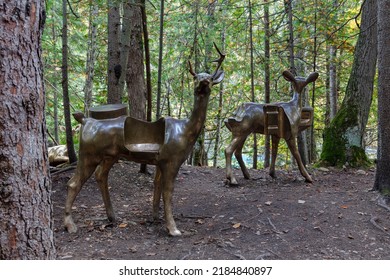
x=165, y=143
x=253, y=118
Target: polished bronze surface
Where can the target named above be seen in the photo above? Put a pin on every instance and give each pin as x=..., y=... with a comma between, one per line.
x=280, y=120
x=108, y=111
x=165, y=143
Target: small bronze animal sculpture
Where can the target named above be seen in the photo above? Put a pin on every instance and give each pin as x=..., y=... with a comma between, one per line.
x=254, y=118
x=165, y=143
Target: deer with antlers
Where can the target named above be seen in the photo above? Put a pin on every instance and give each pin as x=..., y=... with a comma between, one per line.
x=256, y=118
x=165, y=143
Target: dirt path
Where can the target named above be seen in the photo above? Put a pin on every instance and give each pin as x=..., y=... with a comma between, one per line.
x=336, y=217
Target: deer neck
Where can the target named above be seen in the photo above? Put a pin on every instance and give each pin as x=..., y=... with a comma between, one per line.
x=297, y=100
x=198, y=115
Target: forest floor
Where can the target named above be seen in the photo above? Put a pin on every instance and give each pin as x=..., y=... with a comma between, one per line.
x=336, y=217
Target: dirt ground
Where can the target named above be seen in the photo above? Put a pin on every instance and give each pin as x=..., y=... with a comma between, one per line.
x=336, y=217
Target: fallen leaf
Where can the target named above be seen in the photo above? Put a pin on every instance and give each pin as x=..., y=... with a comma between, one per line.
x=122, y=225
x=344, y=206
x=200, y=221
x=237, y=225
x=268, y=203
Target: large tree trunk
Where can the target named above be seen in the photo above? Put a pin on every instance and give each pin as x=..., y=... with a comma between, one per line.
x=135, y=79
x=26, y=222
x=343, y=139
x=114, y=69
x=382, y=178
x=91, y=56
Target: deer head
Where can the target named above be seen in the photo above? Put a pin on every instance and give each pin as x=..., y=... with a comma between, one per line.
x=299, y=83
x=204, y=81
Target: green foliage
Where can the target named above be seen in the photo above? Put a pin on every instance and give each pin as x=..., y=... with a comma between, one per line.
x=190, y=27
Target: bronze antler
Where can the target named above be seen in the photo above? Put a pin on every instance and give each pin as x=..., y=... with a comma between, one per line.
x=191, y=70
x=219, y=60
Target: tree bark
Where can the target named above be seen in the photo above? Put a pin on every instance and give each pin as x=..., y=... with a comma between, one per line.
x=114, y=69
x=382, y=178
x=344, y=138
x=267, y=77
x=65, y=86
x=135, y=79
x=160, y=58
x=26, y=223
x=91, y=57
x=147, y=62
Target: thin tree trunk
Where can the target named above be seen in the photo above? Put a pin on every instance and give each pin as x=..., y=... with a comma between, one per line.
x=252, y=81
x=26, y=223
x=65, y=88
x=312, y=141
x=160, y=58
x=267, y=77
x=147, y=62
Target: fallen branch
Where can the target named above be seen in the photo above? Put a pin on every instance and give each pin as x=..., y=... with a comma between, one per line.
x=56, y=171
x=382, y=201
x=373, y=221
x=273, y=227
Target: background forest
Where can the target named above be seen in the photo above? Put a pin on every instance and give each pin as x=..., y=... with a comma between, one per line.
x=260, y=38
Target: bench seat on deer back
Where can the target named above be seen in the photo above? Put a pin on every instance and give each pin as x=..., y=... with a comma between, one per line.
x=279, y=119
x=144, y=139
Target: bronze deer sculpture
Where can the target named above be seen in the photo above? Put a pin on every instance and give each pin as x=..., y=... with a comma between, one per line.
x=165, y=143
x=251, y=118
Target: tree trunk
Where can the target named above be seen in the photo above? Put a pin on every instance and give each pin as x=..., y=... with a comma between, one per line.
x=254, y=158
x=135, y=80
x=332, y=83
x=114, y=69
x=382, y=178
x=267, y=77
x=91, y=56
x=65, y=86
x=160, y=55
x=147, y=62
x=343, y=139
x=26, y=223
x=124, y=44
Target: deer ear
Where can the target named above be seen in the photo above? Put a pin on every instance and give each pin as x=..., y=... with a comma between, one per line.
x=218, y=77
x=288, y=76
x=312, y=77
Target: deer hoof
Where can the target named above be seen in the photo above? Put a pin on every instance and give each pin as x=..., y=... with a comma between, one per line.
x=232, y=182
x=70, y=225
x=309, y=180
x=174, y=232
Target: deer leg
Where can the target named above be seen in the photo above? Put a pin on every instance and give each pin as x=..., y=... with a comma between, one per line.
x=238, y=155
x=101, y=175
x=168, y=174
x=228, y=156
x=292, y=145
x=274, y=152
x=157, y=194
x=82, y=174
